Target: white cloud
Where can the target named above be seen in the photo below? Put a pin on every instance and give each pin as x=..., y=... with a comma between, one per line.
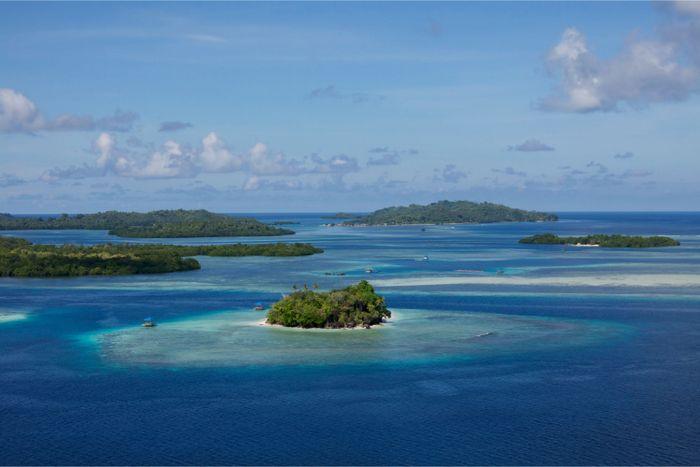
x=215, y=157
x=18, y=114
x=261, y=162
x=646, y=71
x=168, y=162
x=104, y=146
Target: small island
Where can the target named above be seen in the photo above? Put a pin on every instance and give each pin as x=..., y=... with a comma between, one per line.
x=449, y=212
x=356, y=305
x=20, y=258
x=341, y=215
x=601, y=240
x=155, y=224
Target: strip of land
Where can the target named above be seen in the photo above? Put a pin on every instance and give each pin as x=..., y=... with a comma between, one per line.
x=604, y=241
x=20, y=258
x=155, y=224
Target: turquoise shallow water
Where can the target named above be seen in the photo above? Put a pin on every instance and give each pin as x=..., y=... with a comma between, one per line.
x=237, y=338
x=497, y=353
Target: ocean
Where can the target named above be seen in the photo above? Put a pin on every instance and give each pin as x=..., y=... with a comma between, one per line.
x=496, y=352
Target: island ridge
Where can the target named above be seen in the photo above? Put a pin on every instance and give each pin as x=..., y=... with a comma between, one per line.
x=449, y=212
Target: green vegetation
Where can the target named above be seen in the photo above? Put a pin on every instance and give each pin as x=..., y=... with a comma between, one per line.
x=450, y=212
x=606, y=241
x=356, y=305
x=154, y=224
x=20, y=258
x=341, y=215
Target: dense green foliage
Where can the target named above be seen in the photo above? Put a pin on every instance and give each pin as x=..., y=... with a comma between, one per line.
x=154, y=224
x=29, y=260
x=452, y=212
x=356, y=305
x=20, y=258
x=607, y=241
x=241, y=249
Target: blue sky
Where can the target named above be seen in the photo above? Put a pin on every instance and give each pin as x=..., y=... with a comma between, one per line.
x=246, y=107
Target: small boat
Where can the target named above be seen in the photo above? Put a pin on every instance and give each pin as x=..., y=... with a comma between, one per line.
x=425, y=258
x=259, y=307
x=148, y=323
x=369, y=270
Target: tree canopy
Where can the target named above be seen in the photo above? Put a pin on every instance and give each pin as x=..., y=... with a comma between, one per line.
x=20, y=258
x=154, y=224
x=355, y=305
x=602, y=240
x=452, y=212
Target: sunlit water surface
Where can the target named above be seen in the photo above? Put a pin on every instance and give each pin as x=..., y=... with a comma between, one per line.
x=496, y=353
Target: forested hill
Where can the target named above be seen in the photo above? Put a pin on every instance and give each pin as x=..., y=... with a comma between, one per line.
x=154, y=224
x=450, y=212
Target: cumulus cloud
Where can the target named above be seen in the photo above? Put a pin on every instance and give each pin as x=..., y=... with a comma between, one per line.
x=663, y=69
x=330, y=92
x=262, y=162
x=531, y=145
x=174, y=160
x=174, y=126
x=215, y=157
x=18, y=114
x=449, y=174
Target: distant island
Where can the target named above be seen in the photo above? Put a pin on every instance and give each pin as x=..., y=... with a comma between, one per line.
x=356, y=305
x=154, y=224
x=20, y=258
x=341, y=215
x=450, y=212
x=605, y=241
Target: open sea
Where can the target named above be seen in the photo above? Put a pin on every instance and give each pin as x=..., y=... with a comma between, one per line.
x=496, y=353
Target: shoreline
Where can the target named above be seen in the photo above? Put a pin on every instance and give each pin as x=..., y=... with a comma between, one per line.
x=263, y=322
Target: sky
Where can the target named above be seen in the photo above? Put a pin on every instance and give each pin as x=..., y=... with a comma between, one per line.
x=320, y=106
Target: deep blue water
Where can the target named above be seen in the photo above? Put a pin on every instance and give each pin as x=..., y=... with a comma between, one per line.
x=621, y=388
